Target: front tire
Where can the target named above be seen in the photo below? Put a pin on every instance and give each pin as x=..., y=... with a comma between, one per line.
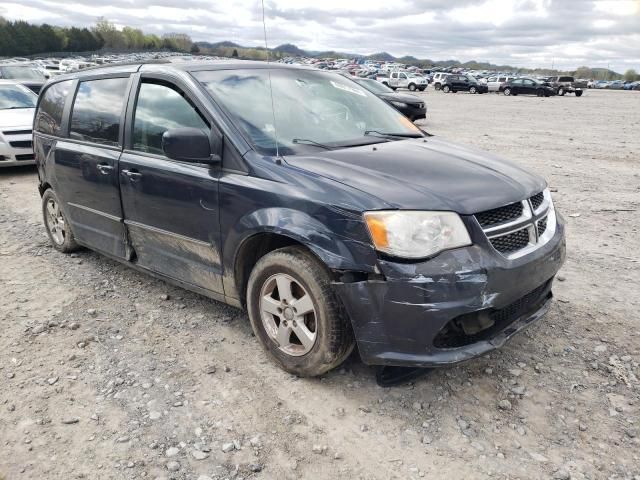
x=295, y=313
x=446, y=89
x=58, y=229
x=578, y=93
x=437, y=86
x=473, y=90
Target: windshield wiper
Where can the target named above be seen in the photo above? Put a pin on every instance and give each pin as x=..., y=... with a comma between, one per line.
x=306, y=141
x=376, y=133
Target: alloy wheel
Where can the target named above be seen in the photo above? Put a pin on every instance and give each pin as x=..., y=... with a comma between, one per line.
x=55, y=222
x=288, y=314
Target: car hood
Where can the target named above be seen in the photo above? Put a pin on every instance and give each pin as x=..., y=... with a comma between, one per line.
x=401, y=97
x=18, y=117
x=427, y=173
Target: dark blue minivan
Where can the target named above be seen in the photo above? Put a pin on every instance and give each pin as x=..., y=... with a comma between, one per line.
x=302, y=197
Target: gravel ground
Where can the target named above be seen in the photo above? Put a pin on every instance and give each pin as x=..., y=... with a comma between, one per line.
x=107, y=373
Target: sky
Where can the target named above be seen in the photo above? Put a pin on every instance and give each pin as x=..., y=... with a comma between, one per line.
x=564, y=34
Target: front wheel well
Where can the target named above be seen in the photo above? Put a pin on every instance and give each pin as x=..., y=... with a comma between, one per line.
x=43, y=187
x=252, y=250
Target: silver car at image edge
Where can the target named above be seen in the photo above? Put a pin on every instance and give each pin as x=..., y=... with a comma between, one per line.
x=17, y=108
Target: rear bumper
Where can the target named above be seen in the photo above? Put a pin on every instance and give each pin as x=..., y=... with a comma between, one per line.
x=401, y=320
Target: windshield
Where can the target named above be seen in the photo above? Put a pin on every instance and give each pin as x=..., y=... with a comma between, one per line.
x=324, y=108
x=374, y=86
x=21, y=73
x=12, y=96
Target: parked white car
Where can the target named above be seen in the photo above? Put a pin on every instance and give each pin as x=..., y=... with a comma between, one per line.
x=17, y=107
x=438, y=79
x=405, y=80
x=494, y=82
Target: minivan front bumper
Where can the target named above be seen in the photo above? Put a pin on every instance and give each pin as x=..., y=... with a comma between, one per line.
x=412, y=316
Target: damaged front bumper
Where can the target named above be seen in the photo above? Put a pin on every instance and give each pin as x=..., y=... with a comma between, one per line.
x=428, y=314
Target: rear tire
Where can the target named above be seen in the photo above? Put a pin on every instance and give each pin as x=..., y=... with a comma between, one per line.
x=300, y=275
x=58, y=229
x=507, y=91
x=446, y=89
x=561, y=91
x=412, y=87
x=437, y=86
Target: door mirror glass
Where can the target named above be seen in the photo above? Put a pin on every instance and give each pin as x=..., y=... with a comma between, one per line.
x=188, y=145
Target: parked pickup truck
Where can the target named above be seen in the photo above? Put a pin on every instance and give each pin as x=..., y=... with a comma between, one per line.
x=404, y=80
x=564, y=85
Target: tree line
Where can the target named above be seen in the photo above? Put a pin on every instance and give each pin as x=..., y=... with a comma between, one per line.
x=19, y=39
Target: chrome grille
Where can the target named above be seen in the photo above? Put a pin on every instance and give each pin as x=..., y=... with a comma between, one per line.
x=512, y=241
x=17, y=132
x=518, y=228
x=21, y=144
x=499, y=215
x=542, y=226
x=537, y=200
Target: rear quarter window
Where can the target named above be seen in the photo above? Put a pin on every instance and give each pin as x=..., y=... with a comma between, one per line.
x=97, y=109
x=49, y=116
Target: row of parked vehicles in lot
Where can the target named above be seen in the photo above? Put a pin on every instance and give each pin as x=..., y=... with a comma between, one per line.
x=22, y=79
x=560, y=85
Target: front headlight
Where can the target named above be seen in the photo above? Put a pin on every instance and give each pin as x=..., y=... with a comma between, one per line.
x=416, y=234
x=399, y=104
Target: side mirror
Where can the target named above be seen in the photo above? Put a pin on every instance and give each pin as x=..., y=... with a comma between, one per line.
x=190, y=145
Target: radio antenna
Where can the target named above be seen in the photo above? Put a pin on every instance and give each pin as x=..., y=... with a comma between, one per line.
x=273, y=109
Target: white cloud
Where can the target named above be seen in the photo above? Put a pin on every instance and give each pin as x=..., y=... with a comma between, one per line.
x=567, y=33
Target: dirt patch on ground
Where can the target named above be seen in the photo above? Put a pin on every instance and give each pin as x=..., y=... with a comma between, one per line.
x=108, y=373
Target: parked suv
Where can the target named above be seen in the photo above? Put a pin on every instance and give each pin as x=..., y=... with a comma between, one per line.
x=463, y=83
x=302, y=197
x=438, y=79
x=494, y=83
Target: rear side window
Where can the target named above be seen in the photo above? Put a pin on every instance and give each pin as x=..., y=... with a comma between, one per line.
x=97, y=110
x=158, y=109
x=49, y=114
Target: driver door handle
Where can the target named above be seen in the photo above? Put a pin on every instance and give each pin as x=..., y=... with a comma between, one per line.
x=133, y=174
x=105, y=168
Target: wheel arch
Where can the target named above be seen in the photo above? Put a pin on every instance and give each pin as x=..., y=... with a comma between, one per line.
x=43, y=187
x=274, y=228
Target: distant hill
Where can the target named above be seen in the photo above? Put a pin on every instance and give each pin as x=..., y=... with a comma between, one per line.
x=290, y=49
x=383, y=56
x=218, y=44
x=226, y=48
